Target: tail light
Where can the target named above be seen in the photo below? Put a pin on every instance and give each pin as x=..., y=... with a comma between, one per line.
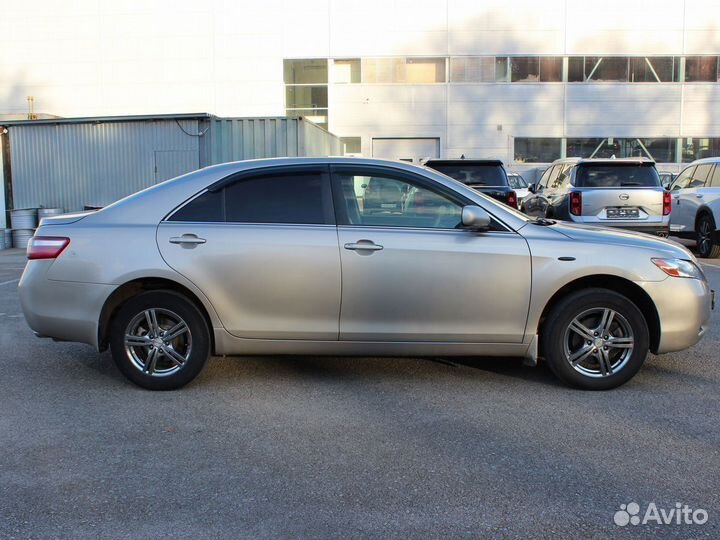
x=667, y=203
x=576, y=203
x=46, y=247
x=512, y=199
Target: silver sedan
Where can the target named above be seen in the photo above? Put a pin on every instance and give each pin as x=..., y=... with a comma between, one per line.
x=344, y=256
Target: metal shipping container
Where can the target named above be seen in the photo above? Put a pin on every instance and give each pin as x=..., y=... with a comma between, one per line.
x=73, y=163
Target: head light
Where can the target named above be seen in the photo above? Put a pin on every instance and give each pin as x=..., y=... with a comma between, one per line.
x=679, y=268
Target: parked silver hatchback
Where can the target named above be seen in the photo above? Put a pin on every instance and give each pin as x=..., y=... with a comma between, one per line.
x=284, y=256
x=625, y=193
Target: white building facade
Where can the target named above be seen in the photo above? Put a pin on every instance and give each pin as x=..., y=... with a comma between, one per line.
x=521, y=80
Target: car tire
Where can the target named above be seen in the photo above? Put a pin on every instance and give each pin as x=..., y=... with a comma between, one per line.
x=583, y=351
x=159, y=340
x=705, y=233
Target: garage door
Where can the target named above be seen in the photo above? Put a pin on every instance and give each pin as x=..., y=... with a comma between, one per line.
x=406, y=149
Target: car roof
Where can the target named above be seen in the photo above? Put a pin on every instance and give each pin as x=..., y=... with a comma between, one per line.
x=715, y=159
x=604, y=161
x=464, y=162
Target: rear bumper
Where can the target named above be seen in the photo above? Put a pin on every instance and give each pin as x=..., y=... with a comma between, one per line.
x=63, y=310
x=684, y=307
x=656, y=227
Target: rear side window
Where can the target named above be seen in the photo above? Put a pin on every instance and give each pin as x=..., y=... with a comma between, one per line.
x=716, y=177
x=478, y=175
x=620, y=176
x=300, y=198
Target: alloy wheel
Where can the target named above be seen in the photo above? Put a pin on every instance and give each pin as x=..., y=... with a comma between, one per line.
x=158, y=342
x=598, y=342
x=704, y=240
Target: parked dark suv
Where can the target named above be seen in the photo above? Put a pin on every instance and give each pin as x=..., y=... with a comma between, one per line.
x=484, y=175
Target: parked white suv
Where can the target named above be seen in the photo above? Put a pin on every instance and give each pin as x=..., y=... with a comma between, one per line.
x=696, y=205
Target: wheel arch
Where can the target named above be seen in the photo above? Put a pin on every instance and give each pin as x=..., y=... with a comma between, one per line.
x=620, y=285
x=705, y=210
x=132, y=288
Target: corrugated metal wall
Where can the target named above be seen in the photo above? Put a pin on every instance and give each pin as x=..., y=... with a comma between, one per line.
x=235, y=139
x=73, y=165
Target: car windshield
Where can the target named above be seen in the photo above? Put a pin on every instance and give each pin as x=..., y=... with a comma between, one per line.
x=620, y=175
x=474, y=174
x=517, y=181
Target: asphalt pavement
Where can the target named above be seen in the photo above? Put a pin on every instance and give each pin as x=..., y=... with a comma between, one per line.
x=323, y=448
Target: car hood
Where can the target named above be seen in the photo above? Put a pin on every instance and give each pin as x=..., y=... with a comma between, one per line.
x=605, y=235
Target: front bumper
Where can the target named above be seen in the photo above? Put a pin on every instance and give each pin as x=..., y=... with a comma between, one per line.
x=684, y=306
x=62, y=310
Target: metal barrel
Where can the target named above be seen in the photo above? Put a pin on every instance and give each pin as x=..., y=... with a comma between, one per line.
x=49, y=212
x=21, y=237
x=24, y=218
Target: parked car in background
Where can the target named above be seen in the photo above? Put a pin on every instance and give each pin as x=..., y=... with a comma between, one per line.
x=666, y=178
x=487, y=176
x=696, y=205
x=623, y=193
x=519, y=185
x=277, y=256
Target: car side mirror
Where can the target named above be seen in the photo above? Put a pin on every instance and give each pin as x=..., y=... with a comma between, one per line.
x=474, y=217
x=532, y=188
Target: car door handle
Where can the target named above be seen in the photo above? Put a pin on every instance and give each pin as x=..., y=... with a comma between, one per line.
x=363, y=245
x=187, y=239
x=699, y=195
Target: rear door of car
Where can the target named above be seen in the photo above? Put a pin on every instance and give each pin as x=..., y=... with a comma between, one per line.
x=263, y=248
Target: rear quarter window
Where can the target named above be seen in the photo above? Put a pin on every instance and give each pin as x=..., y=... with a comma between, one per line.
x=616, y=176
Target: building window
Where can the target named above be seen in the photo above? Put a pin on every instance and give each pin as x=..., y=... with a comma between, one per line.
x=306, y=91
x=346, y=71
x=308, y=71
x=306, y=97
x=472, y=69
x=403, y=70
x=351, y=145
x=606, y=68
x=536, y=69
x=537, y=149
x=655, y=69
x=662, y=150
x=697, y=148
x=701, y=69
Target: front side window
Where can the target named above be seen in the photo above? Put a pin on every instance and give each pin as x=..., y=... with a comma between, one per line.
x=683, y=179
x=383, y=201
x=290, y=198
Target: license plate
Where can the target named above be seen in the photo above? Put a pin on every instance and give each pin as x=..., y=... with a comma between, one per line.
x=388, y=205
x=623, y=213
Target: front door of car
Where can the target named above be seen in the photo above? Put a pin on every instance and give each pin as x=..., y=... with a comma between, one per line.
x=264, y=250
x=538, y=204
x=413, y=274
x=685, y=201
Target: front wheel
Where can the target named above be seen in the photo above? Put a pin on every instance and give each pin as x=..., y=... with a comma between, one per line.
x=159, y=340
x=705, y=231
x=595, y=339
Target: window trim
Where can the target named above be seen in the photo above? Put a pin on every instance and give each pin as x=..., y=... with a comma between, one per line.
x=227, y=181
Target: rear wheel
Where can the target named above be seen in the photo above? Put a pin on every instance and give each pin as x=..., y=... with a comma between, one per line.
x=705, y=231
x=595, y=339
x=159, y=340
